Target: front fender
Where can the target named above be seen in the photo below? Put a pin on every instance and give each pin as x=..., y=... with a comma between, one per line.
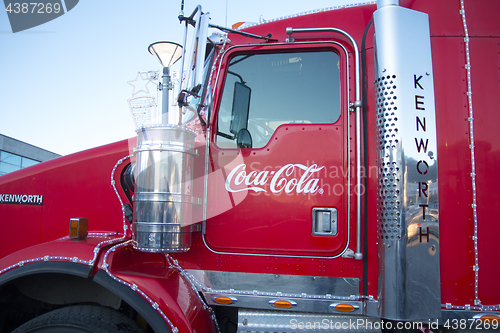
x=82, y=252
x=149, y=283
x=155, y=289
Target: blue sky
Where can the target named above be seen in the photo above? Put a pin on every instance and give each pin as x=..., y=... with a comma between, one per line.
x=63, y=84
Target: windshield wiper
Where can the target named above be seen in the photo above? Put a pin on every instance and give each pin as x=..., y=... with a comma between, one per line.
x=190, y=20
x=243, y=33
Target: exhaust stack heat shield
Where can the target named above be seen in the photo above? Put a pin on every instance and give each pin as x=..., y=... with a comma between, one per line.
x=408, y=210
x=163, y=195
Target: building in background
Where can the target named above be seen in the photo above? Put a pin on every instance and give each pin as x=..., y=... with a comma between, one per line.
x=15, y=155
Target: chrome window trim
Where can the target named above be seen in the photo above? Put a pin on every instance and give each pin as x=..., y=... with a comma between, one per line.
x=357, y=105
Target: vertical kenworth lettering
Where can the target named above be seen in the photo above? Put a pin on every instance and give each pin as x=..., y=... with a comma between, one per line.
x=422, y=167
x=288, y=182
x=408, y=206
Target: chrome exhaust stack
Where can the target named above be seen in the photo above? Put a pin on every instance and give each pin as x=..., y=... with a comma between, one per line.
x=164, y=168
x=408, y=212
x=163, y=195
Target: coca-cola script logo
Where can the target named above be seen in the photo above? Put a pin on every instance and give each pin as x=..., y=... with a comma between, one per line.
x=283, y=179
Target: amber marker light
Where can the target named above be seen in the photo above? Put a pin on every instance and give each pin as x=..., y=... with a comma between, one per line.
x=282, y=304
x=344, y=307
x=78, y=228
x=490, y=319
x=224, y=300
x=237, y=25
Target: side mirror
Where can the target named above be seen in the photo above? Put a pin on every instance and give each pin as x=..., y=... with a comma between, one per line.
x=244, y=139
x=241, y=108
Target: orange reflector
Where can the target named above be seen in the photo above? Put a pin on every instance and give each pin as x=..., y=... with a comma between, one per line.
x=223, y=300
x=490, y=319
x=283, y=304
x=237, y=25
x=78, y=228
x=344, y=307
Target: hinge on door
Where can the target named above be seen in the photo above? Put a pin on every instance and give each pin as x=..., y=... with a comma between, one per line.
x=289, y=32
x=356, y=104
x=348, y=254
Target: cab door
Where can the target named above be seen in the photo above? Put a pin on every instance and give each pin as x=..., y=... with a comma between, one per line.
x=278, y=180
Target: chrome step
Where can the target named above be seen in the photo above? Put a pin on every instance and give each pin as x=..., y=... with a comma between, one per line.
x=268, y=321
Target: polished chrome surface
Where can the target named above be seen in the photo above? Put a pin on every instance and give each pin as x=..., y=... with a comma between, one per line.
x=383, y=3
x=192, y=74
x=300, y=303
x=258, y=291
x=252, y=291
x=311, y=305
x=163, y=192
x=299, y=322
x=409, y=279
x=255, y=291
x=199, y=47
x=166, y=196
x=468, y=315
x=468, y=307
x=324, y=221
x=161, y=237
x=276, y=284
x=357, y=104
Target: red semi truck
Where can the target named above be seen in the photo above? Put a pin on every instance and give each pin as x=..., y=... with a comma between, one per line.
x=298, y=192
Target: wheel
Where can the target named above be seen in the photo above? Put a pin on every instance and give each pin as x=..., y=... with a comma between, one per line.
x=81, y=318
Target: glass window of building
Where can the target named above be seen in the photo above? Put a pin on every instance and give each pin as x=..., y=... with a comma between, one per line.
x=11, y=162
x=26, y=162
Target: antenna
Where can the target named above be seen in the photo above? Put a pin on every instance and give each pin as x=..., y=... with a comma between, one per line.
x=226, y=12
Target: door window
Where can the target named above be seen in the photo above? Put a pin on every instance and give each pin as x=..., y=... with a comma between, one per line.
x=263, y=91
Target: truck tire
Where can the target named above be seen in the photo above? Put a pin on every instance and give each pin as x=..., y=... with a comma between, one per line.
x=81, y=318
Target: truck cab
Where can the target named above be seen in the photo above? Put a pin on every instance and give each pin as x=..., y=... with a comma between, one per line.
x=297, y=190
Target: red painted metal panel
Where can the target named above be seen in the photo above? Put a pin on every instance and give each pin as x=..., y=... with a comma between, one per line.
x=372, y=176
x=485, y=74
x=353, y=20
x=456, y=213
x=20, y=225
x=282, y=222
x=444, y=15
x=455, y=218
x=88, y=194
x=482, y=18
x=77, y=185
x=66, y=248
x=164, y=285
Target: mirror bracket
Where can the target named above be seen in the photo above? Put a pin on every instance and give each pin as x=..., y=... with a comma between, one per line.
x=181, y=100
